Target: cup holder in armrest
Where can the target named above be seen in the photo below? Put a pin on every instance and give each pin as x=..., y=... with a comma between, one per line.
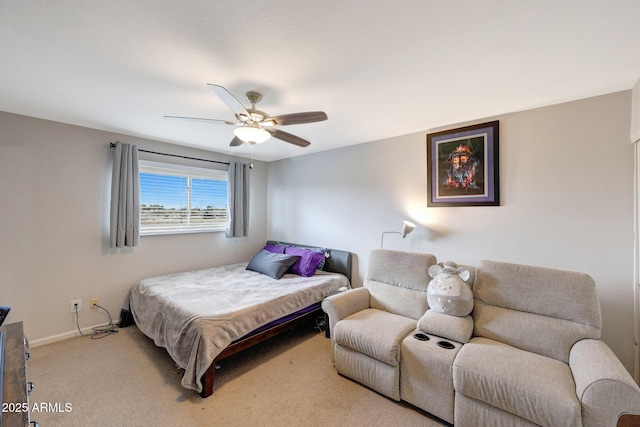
x=446, y=345
x=421, y=337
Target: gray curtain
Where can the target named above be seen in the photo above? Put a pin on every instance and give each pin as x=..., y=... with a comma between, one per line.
x=238, y=198
x=125, y=197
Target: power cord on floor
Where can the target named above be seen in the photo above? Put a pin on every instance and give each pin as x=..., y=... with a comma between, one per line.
x=320, y=324
x=98, y=332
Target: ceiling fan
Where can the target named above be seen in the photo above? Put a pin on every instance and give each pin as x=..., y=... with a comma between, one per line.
x=255, y=126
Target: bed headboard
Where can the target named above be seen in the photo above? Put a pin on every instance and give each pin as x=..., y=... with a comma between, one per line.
x=338, y=261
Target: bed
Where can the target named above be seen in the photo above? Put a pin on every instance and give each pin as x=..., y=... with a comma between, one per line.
x=201, y=317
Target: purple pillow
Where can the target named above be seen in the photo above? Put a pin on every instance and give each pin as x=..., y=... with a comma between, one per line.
x=307, y=264
x=276, y=249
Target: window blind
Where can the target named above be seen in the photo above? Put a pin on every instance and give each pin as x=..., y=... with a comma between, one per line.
x=182, y=199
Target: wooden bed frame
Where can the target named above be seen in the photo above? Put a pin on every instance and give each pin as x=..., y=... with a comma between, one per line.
x=338, y=262
x=243, y=344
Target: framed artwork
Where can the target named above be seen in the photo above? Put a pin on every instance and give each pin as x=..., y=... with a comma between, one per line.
x=462, y=166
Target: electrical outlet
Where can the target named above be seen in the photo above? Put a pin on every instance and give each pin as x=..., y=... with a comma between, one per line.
x=76, y=305
x=93, y=304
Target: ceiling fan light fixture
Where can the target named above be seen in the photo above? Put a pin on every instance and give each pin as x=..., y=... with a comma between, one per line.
x=254, y=135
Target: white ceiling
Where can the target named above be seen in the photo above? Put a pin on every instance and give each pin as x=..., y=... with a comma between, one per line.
x=377, y=68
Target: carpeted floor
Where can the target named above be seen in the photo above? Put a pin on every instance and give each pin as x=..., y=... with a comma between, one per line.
x=125, y=380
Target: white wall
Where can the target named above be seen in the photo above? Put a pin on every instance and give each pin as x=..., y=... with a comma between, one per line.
x=54, y=243
x=567, y=202
x=566, y=173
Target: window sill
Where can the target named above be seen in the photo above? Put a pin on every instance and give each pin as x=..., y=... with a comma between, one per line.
x=166, y=232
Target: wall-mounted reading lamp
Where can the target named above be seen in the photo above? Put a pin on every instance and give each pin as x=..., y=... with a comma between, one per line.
x=407, y=227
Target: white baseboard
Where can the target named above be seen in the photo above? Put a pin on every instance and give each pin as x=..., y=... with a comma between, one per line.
x=65, y=336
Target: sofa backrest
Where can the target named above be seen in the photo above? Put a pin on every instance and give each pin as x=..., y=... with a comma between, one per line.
x=397, y=281
x=537, y=309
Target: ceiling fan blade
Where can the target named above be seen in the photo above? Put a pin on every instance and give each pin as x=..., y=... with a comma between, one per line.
x=201, y=119
x=299, y=118
x=287, y=137
x=236, y=142
x=231, y=101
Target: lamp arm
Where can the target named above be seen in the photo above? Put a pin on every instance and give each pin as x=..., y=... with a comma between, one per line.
x=387, y=232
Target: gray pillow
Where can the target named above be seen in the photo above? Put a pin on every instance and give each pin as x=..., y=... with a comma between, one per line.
x=271, y=264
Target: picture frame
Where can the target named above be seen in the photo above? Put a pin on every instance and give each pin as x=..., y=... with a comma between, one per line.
x=463, y=166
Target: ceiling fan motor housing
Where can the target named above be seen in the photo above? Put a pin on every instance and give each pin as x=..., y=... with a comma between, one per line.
x=254, y=97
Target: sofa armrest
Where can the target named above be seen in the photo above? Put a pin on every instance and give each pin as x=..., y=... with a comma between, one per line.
x=454, y=328
x=344, y=304
x=604, y=387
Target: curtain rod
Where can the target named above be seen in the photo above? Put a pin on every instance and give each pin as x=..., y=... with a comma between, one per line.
x=112, y=145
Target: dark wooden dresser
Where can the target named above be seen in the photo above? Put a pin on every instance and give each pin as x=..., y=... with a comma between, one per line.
x=15, y=388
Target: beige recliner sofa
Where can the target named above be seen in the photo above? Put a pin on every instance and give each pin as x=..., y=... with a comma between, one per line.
x=528, y=355
x=367, y=324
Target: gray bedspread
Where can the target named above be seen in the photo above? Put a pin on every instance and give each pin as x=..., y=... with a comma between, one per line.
x=197, y=314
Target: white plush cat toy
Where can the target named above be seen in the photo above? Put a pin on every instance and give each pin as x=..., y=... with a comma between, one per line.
x=448, y=291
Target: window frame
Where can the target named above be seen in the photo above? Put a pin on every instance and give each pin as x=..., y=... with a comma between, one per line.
x=189, y=172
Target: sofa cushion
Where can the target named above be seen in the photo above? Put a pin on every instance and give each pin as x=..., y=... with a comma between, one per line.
x=398, y=281
x=474, y=413
x=544, y=335
x=443, y=325
x=537, y=309
x=403, y=302
x=533, y=387
x=553, y=293
x=375, y=333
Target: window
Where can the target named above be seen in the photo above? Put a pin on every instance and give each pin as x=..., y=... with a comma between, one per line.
x=181, y=199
